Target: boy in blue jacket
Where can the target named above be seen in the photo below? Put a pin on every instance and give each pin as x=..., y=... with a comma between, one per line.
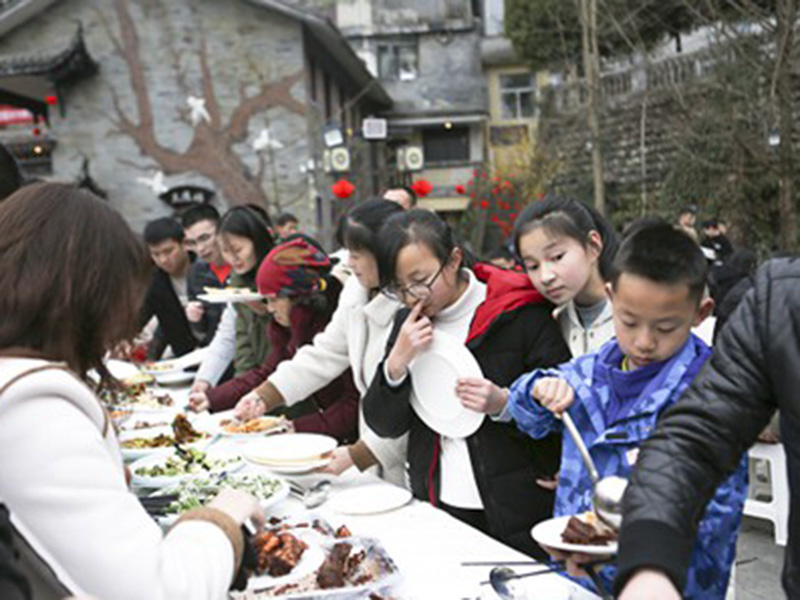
x=615, y=395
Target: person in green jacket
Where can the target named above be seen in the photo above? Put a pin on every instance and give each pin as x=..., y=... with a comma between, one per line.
x=245, y=239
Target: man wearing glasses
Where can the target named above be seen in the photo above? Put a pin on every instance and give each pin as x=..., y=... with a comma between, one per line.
x=210, y=270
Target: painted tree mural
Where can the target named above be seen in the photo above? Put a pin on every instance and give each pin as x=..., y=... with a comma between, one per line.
x=211, y=150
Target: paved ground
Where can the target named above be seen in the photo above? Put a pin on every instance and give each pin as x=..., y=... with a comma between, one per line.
x=759, y=561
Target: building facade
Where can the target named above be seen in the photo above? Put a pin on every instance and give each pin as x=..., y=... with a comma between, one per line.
x=228, y=97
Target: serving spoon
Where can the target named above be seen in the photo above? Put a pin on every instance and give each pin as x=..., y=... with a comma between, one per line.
x=608, y=491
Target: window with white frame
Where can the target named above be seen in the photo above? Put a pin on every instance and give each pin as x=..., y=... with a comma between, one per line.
x=517, y=96
x=397, y=60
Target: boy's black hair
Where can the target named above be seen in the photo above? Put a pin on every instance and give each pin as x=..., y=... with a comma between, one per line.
x=197, y=213
x=659, y=252
x=162, y=230
x=284, y=218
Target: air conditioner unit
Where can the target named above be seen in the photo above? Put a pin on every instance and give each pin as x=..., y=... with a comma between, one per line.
x=412, y=158
x=374, y=129
x=340, y=160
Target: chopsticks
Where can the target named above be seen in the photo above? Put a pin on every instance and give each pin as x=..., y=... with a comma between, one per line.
x=513, y=563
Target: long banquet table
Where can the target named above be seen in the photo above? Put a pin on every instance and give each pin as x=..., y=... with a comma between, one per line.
x=427, y=545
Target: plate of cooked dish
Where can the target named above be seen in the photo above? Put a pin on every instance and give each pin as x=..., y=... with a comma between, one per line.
x=229, y=294
x=583, y=533
x=190, y=463
x=194, y=493
x=136, y=444
x=258, y=426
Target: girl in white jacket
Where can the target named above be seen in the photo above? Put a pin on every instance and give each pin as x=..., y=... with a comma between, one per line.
x=71, y=277
x=355, y=337
x=566, y=249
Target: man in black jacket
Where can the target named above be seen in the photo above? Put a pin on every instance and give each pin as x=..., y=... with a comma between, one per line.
x=167, y=295
x=700, y=440
x=209, y=270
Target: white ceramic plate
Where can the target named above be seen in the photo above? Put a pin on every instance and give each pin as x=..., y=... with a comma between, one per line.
x=225, y=298
x=174, y=378
x=155, y=482
x=297, y=469
x=369, y=499
x=433, y=376
x=311, y=560
x=548, y=533
x=137, y=453
x=292, y=449
x=278, y=426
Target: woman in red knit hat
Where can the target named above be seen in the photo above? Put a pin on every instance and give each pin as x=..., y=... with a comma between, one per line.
x=301, y=295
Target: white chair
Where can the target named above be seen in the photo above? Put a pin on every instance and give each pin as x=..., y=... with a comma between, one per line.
x=777, y=508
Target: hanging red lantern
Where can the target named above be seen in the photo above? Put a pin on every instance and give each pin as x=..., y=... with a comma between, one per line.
x=422, y=187
x=51, y=100
x=343, y=189
x=460, y=189
x=484, y=204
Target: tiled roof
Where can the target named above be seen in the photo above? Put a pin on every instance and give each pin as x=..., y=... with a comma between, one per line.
x=70, y=63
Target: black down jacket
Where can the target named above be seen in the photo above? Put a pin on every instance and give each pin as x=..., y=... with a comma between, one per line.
x=755, y=369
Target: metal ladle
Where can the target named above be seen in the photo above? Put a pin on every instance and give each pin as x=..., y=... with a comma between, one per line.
x=608, y=491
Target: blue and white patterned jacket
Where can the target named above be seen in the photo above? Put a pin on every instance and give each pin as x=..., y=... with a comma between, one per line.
x=614, y=447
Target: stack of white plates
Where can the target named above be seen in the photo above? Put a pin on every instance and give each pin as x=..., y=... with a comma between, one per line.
x=291, y=453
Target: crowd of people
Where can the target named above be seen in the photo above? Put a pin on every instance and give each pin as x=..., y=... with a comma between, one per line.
x=570, y=318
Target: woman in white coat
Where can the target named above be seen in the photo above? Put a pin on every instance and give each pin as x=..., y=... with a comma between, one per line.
x=355, y=338
x=71, y=281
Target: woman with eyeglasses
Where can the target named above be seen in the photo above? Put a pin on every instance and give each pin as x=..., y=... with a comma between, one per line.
x=301, y=295
x=355, y=339
x=489, y=479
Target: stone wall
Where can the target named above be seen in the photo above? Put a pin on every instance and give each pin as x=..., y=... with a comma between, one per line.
x=247, y=49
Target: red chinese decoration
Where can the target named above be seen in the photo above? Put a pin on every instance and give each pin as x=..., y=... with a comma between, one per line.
x=343, y=189
x=484, y=204
x=460, y=189
x=51, y=100
x=422, y=187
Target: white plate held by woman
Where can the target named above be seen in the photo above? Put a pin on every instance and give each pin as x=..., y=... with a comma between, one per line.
x=434, y=374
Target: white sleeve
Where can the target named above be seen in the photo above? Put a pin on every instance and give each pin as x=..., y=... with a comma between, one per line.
x=316, y=364
x=221, y=349
x=67, y=492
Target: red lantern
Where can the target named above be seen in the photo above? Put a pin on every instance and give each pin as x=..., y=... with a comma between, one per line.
x=422, y=187
x=484, y=204
x=460, y=189
x=51, y=100
x=343, y=189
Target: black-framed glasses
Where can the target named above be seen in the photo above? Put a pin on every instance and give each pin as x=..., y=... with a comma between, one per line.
x=417, y=291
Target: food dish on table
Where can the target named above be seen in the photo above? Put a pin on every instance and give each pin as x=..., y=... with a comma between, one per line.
x=137, y=397
x=162, y=470
x=251, y=426
x=278, y=553
x=195, y=493
x=182, y=433
x=352, y=568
